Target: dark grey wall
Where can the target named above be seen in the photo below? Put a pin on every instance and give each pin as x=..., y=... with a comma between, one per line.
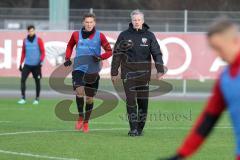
x=24, y=3
x=160, y=4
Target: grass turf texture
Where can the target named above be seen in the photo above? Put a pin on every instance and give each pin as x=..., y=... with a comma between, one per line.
x=161, y=137
x=106, y=84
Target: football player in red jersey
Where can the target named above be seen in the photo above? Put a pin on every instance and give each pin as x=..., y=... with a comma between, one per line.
x=88, y=43
x=223, y=37
x=33, y=54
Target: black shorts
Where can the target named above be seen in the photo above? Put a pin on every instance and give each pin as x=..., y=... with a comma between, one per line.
x=35, y=70
x=89, y=81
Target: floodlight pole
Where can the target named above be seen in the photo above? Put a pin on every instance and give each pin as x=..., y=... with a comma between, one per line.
x=59, y=14
x=91, y=10
x=185, y=20
x=185, y=31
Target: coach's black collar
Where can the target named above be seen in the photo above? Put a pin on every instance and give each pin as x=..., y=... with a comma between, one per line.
x=144, y=28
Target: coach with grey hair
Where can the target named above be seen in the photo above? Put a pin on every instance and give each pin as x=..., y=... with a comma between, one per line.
x=133, y=51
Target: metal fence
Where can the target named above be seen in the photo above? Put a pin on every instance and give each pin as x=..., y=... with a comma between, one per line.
x=115, y=20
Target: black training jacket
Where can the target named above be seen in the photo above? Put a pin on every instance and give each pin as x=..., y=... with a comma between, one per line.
x=133, y=51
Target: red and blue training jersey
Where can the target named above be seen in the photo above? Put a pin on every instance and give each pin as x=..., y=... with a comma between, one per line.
x=33, y=53
x=90, y=46
x=226, y=95
x=85, y=49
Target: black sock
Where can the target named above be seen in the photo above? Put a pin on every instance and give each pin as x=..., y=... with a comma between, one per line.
x=23, y=97
x=23, y=88
x=38, y=88
x=80, y=103
x=88, y=111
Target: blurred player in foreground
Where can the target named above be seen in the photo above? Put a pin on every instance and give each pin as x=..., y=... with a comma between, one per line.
x=223, y=37
x=85, y=75
x=33, y=54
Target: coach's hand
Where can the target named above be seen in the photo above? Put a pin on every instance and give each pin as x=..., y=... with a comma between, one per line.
x=20, y=68
x=114, y=79
x=125, y=45
x=159, y=76
x=96, y=58
x=67, y=63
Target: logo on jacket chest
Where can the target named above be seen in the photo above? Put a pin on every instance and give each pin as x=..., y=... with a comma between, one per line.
x=144, y=42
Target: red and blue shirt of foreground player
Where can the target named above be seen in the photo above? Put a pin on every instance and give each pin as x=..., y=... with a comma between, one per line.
x=87, y=47
x=226, y=95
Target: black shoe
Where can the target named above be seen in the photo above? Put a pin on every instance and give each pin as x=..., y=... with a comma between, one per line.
x=133, y=133
x=140, y=133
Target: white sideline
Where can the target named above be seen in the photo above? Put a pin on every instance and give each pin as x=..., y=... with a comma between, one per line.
x=35, y=155
x=5, y=121
x=59, y=158
x=30, y=132
x=106, y=129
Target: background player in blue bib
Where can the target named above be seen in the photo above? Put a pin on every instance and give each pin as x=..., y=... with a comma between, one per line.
x=223, y=37
x=87, y=65
x=33, y=54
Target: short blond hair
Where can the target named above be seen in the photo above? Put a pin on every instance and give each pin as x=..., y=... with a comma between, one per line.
x=137, y=12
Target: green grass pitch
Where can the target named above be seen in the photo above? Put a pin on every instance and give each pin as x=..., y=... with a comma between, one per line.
x=34, y=132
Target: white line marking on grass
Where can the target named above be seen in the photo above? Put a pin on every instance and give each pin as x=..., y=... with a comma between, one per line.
x=35, y=155
x=31, y=132
x=96, y=129
x=110, y=123
x=5, y=121
x=106, y=129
